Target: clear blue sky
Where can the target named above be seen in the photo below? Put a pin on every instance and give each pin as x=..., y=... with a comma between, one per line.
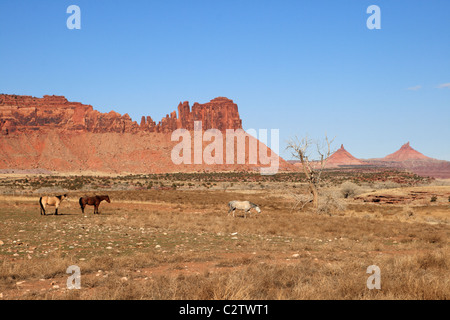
x=304, y=67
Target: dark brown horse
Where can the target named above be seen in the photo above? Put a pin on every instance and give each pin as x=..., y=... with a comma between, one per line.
x=92, y=201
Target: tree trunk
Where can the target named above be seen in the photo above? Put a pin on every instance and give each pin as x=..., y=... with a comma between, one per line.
x=315, y=195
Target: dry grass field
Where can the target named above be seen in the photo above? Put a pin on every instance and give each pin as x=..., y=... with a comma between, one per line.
x=179, y=243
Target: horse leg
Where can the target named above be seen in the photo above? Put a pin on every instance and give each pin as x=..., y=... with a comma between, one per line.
x=82, y=204
x=96, y=209
x=43, y=208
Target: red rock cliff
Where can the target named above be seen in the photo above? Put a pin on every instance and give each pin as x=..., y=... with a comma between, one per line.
x=23, y=113
x=55, y=134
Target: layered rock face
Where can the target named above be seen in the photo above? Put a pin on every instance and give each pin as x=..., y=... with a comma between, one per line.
x=26, y=113
x=220, y=113
x=55, y=134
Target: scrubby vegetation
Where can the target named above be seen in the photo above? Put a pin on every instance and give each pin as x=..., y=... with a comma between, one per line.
x=168, y=236
x=351, y=180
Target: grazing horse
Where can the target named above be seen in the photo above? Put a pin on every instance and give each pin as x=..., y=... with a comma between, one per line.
x=92, y=201
x=242, y=205
x=51, y=201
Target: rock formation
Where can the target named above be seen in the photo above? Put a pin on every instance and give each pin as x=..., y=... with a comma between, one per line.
x=343, y=158
x=25, y=113
x=55, y=134
x=406, y=152
x=412, y=160
x=406, y=158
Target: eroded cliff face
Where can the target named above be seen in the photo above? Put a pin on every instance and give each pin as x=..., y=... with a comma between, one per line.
x=55, y=134
x=26, y=113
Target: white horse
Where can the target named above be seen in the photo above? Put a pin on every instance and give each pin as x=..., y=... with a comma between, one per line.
x=242, y=205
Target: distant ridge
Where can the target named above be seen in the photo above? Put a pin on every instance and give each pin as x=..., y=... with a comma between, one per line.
x=412, y=160
x=406, y=158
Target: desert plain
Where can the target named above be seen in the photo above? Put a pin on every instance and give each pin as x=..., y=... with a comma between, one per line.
x=169, y=237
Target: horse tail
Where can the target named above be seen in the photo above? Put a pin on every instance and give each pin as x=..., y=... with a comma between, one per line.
x=81, y=202
x=40, y=202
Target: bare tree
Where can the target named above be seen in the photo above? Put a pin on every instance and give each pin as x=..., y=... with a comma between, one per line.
x=313, y=168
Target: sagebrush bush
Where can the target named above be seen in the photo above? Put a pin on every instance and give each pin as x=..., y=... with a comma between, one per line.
x=329, y=203
x=349, y=189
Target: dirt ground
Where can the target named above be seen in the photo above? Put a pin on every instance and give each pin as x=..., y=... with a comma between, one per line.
x=181, y=244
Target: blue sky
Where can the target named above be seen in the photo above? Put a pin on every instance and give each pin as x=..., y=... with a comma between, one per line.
x=304, y=67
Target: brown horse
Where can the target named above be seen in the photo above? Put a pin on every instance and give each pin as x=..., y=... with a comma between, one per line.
x=51, y=201
x=92, y=201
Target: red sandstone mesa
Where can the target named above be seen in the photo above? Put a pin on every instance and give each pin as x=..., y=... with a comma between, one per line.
x=53, y=133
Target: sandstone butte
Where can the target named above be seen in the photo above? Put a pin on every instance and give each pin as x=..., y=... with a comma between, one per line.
x=343, y=158
x=406, y=158
x=409, y=158
x=55, y=134
x=339, y=158
x=406, y=152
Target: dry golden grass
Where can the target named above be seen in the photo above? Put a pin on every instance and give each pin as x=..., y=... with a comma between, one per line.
x=180, y=244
